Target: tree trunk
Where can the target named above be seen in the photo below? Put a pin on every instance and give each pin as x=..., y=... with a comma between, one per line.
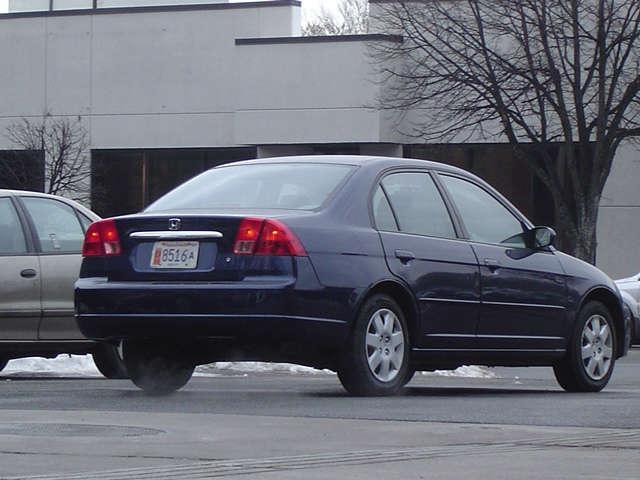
x=577, y=231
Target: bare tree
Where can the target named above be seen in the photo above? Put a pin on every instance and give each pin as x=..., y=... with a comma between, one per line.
x=558, y=79
x=64, y=145
x=352, y=18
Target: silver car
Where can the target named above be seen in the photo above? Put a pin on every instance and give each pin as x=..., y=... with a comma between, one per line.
x=630, y=290
x=40, y=254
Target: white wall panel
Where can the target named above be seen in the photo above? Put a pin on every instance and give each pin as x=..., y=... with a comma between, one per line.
x=163, y=63
x=307, y=75
x=306, y=126
x=618, y=233
x=162, y=131
x=69, y=65
x=22, y=67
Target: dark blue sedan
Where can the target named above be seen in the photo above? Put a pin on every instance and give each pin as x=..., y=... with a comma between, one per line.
x=373, y=267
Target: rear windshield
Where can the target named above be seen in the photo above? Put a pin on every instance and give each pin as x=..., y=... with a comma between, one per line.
x=291, y=186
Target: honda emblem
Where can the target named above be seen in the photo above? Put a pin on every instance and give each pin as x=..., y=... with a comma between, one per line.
x=175, y=224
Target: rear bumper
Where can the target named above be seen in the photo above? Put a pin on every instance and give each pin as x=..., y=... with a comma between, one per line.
x=262, y=312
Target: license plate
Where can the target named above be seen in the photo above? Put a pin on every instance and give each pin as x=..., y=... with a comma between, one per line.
x=169, y=255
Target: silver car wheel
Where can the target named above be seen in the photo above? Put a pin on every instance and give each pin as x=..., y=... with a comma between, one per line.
x=597, y=347
x=384, y=345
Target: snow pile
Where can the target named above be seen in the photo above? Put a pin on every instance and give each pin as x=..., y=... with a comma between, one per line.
x=61, y=366
x=262, y=367
x=83, y=366
x=466, y=371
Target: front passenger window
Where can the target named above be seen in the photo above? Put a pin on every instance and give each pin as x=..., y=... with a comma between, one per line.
x=486, y=219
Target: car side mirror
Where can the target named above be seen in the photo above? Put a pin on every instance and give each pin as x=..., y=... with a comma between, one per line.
x=542, y=237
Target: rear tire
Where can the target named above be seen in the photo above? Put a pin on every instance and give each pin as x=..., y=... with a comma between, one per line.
x=409, y=376
x=109, y=363
x=156, y=369
x=376, y=358
x=588, y=364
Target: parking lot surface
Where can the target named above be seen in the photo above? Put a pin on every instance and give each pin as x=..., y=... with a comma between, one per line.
x=515, y=424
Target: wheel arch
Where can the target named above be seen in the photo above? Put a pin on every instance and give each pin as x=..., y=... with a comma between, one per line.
x=402, y=295
x=614, y=305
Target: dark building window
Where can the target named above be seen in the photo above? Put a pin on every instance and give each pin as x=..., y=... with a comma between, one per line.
x=22, y=170
x=126, y=181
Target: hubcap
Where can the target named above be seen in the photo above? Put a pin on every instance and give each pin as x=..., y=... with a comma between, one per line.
x=385, y=345
x=597, y=347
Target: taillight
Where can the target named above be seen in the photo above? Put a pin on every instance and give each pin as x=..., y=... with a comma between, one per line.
x=102, y=239
x=257, y=236
x=247, y=236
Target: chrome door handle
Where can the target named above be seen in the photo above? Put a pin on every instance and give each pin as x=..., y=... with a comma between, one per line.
x=28, y=273
x=405, y=256
x=492, y=263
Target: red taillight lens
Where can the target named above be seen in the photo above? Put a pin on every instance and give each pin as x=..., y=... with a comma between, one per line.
x=277, y=239
x=247, y=236
x=102, y=239
x=267, y=237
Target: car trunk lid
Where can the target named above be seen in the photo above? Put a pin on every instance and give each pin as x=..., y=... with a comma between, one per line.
x=191, y=248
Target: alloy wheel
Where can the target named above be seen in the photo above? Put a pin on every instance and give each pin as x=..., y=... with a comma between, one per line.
x=597, y=347
x=384, y=345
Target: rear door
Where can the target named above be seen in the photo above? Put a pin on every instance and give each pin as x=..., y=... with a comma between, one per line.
x=59, y=235
x=421, y=247
x=19, y=277
x=523, y=291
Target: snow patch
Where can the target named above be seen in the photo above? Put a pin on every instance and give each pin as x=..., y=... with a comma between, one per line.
x=83, y=366
x=466, y=371
x=61, y=366
x=262, y=367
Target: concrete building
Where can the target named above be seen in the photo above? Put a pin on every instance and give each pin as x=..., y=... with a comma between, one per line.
x=169, y=89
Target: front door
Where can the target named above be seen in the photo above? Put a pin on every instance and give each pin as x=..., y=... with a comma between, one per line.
x=421, y=247
x=523, y=290
x=19, y=278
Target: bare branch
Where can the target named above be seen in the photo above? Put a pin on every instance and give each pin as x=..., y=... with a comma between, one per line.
x=352, y=18
x=558, y=79
x=65, y=146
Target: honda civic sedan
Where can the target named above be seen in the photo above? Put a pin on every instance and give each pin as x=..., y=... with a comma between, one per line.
x=373, y=267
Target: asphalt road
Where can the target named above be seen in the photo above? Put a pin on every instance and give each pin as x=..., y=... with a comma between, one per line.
x=517, y=425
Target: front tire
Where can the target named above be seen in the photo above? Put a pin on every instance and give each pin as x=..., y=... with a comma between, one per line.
x=376, y=358
x=589, y=362
x=156, y=369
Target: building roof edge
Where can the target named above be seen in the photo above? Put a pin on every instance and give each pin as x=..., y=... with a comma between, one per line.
x=367, y=37
x=151, y=8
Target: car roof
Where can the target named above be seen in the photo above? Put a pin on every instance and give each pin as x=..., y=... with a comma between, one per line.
x=357, y=160
x=375, y=162
x=26, y=193
x=30, y=193
x=384, y=163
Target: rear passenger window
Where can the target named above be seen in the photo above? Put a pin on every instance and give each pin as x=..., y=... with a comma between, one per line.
x=57, y=225
x=12, y=241
x=382, y=213
x=418, y=205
